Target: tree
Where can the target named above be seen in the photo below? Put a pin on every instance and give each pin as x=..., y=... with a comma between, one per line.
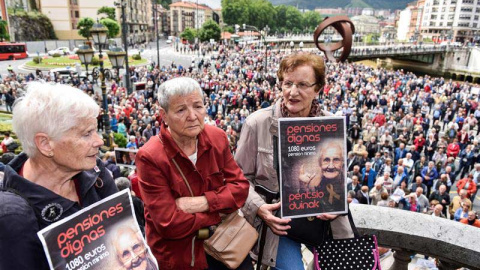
x=261, y=13
x=109, y=11
x=165, y=3
x=294, y=19
x=281, y=18
x=3, y=31
x=84, y=25
x=311, y=19
x=236, y=11
x=112, y=26
x=210, y=30
x=188, y=34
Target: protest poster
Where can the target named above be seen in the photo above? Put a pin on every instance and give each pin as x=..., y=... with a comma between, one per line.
x=125, y=157
x=104, y=235
x=312, y=154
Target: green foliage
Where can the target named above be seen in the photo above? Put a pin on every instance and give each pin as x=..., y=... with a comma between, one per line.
x=372, y=39
x=109, y=11
x=136, y=57
x=37, y=59
x=84, y=25
x=258, y=13
x=229, y=29
x=210, y=29
x=165, y=3
x=56, y=55
x=3, y=31
x=311, y=20
x=95, y=61
x=120, y=140
x=188, y=34
x=294, y=19
x=33, y=4
x=358, y=3
x=112, y=26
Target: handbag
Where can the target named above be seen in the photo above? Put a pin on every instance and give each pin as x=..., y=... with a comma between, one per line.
x=232, y=240
x=358, y=253
x=310, y=231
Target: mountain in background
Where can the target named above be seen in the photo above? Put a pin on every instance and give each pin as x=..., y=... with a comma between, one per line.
x=312, y=4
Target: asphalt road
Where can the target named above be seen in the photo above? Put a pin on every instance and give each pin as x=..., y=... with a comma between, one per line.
x=167, y=56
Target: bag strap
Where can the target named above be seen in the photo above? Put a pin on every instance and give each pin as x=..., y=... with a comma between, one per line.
x=352, y=224
x=183, y=177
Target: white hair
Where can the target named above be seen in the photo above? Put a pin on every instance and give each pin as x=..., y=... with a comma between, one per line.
x=177, y=87
x=52, y=109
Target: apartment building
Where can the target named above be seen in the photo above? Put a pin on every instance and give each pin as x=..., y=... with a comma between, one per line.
x=451, y=20
x=65, y=15
x=188, y=14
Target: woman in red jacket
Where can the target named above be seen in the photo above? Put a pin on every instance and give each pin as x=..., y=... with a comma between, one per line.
x=453, y=149
x=468, y=184
x=202, y=154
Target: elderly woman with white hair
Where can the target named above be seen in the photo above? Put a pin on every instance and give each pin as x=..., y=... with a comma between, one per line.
x=58, y=173
x=187, y=178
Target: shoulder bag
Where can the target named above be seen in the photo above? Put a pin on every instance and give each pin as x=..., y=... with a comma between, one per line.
x=232, y=240
x=357, y=253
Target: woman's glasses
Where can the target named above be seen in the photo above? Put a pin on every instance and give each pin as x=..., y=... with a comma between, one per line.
x=300, y=85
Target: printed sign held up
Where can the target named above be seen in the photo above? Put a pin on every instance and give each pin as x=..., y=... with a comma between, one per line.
x=312, y=154
x=103, y=236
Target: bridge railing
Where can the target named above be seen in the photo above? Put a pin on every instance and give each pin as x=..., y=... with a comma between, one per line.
x=454, y=244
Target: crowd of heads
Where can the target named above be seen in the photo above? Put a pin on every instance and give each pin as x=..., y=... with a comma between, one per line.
x=406, y=132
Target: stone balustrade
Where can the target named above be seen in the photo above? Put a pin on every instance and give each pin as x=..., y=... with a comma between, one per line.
x=454, y=244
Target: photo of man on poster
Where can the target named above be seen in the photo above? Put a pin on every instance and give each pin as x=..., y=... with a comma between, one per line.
x=329, y=177
x=130, y=249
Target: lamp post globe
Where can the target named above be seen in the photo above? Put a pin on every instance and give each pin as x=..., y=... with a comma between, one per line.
x=99, y=34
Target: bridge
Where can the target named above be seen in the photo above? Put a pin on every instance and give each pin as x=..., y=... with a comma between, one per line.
x=454, y=244
x=456, y=62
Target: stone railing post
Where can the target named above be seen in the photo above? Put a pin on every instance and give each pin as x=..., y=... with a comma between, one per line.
x=402, y=258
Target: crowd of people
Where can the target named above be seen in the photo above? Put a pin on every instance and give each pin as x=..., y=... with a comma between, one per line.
x=410, y=138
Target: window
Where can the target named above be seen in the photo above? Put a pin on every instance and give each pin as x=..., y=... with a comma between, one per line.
x=77, y=14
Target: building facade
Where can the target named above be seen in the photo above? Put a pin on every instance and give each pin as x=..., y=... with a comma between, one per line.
x=189, y=15
x=451, y=20
x=65, y=15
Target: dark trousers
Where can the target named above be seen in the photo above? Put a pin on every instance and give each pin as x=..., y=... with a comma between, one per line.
x=216, y=265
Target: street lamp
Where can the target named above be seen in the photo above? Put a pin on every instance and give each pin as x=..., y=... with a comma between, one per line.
x=85, y=54
x=99, y=36
x=123, y=4
x=117, y=57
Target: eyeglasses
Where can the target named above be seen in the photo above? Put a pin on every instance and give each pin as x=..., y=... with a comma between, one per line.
x=300, y=85
x=334, y=161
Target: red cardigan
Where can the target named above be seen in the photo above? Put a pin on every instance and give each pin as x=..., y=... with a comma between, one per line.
x=216, y=175
x=472, y=187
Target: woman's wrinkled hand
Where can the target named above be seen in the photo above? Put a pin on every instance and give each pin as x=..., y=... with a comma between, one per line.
x=276, y=224
x=192, y=205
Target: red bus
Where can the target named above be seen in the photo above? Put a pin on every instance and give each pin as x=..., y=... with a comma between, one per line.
x=11, y=51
